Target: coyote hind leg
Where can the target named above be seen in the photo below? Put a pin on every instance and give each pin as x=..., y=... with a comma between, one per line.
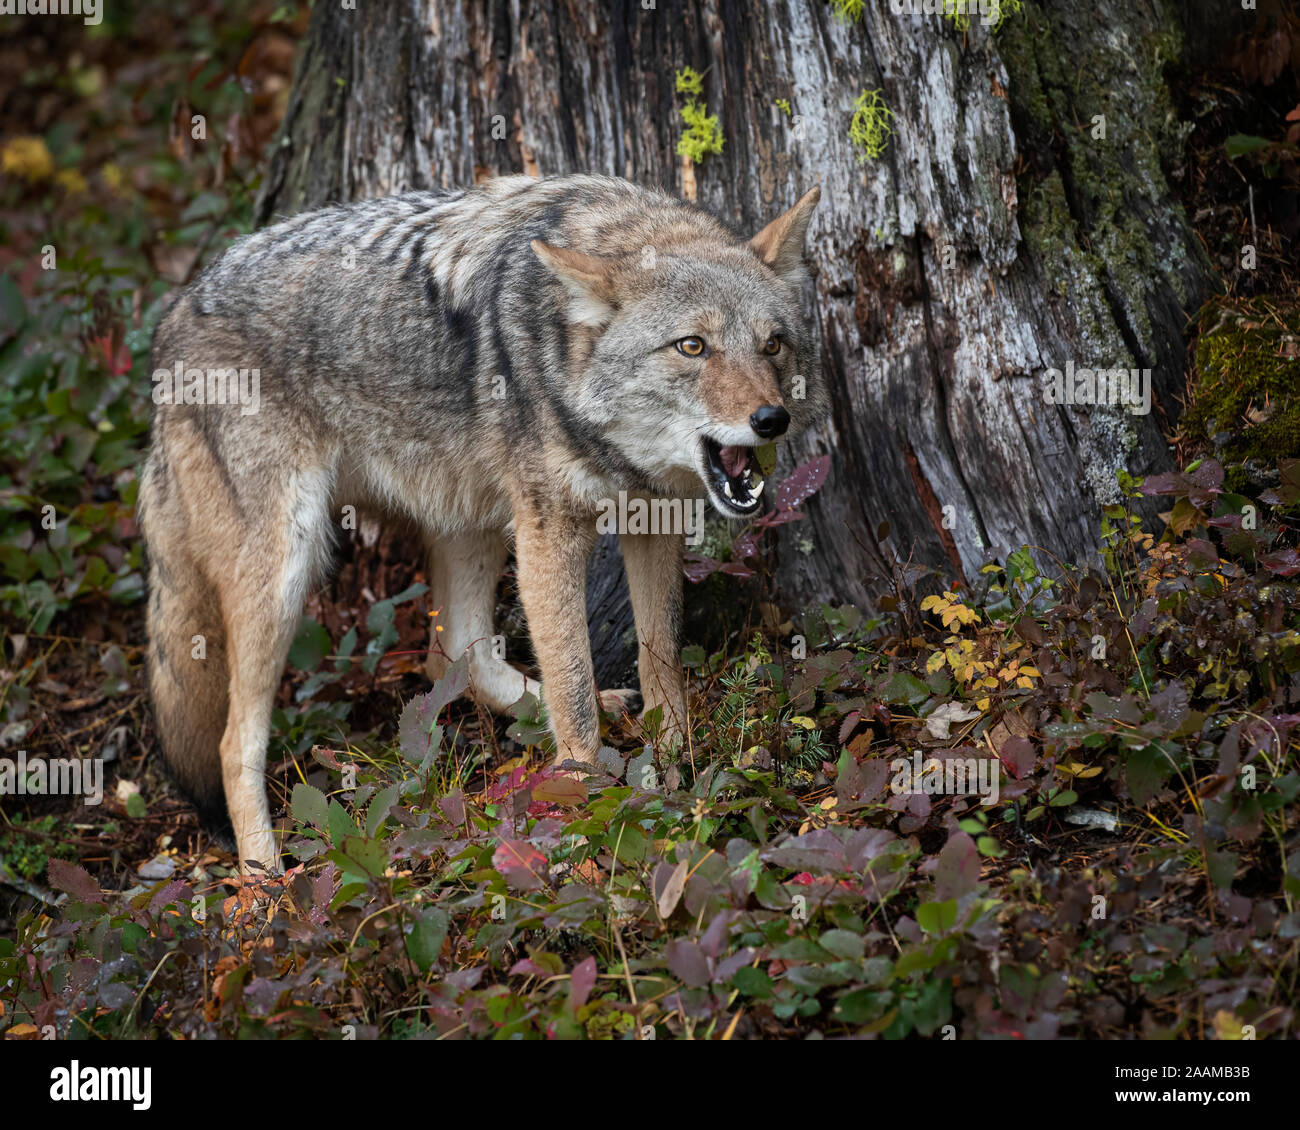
x=262, y=593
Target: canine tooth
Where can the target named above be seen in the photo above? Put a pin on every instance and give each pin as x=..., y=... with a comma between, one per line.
x=726, y=487
x=757, y=488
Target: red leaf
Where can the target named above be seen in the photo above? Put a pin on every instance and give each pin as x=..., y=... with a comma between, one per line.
x=803, y=482
x=697, y=568
x=849, y=724
x=1285, y=562
x=559, y=789
x=958, y=869
x=581, y=981
x=745, y=546
x=735, y=569
x=520, y=864
x=1018, y=755
x=75, y=880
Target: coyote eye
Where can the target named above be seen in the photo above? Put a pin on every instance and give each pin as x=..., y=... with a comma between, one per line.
x=772, y=345
x=691, y=346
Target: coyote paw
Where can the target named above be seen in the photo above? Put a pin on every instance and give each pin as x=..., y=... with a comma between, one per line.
x=620, y=702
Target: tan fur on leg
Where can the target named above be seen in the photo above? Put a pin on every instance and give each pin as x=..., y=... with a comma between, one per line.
x=654, y=580
x=551, y=548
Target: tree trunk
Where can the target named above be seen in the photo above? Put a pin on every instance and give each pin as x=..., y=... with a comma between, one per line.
x=999, y=235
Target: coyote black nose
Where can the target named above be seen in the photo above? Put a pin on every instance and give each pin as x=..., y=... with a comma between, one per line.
x=770, y=421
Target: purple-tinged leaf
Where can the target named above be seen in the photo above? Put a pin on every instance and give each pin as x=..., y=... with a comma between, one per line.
x=1284, y=562
x=802, y=483
x=520, y=864
x=65, y=876
x=958, y=869
x=686, y=962
x=581, y=981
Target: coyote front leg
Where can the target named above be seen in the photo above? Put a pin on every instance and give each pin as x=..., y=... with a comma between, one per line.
x=654, y=582
x=551, y=550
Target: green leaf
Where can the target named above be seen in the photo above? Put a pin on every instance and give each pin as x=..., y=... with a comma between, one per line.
x=753, y=982
x=937, y=917
x=363, y=857
x=341, y=825
x=309, y=806
x=310, y=645
x=135, y=807
x=693, y=656
x=907, y=689
x=843, y=943
x=380, y=807
x=13, y=310
x=1222, y=867
x=627, y=842
x=132, y=935
x=424, y=942
x=1240, y=144
x=1145, y=773
x=344, y=651
x=860, y=1006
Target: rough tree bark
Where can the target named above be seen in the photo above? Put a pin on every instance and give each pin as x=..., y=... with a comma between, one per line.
x=999, y=235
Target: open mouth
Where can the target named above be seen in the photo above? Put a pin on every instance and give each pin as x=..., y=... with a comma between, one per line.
x=732, y=477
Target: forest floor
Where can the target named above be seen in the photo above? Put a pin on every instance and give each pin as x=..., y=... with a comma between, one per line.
x=1133, y=874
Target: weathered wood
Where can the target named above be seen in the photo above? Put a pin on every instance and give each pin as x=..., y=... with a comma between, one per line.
x=995, y=238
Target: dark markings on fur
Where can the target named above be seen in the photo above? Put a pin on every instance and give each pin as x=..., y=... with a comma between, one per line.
x=461, y=356
x=417, y=257
x=208, y=426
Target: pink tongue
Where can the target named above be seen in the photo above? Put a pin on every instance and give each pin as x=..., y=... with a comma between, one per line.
x=734, y=460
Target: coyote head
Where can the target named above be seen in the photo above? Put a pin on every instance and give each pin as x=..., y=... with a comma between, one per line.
x=699, y=350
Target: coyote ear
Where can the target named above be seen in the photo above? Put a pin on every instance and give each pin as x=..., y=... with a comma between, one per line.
x=589, y=279
x=780, y=244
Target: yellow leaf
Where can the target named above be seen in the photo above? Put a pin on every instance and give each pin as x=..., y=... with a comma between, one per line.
x=70, y=181
x=804, y=721
x=27, y=157
x=934, y=662
x=982, y=705
x=113, y=177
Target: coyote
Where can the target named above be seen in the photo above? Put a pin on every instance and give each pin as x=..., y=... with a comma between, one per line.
x=492, y=364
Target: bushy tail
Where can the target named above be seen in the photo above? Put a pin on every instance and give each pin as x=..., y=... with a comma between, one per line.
x=188, y=677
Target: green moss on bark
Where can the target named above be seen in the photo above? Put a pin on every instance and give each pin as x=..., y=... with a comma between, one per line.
x=1245, y=384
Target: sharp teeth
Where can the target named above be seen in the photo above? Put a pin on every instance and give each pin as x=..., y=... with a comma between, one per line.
x=726, y=487
x=757, y=488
